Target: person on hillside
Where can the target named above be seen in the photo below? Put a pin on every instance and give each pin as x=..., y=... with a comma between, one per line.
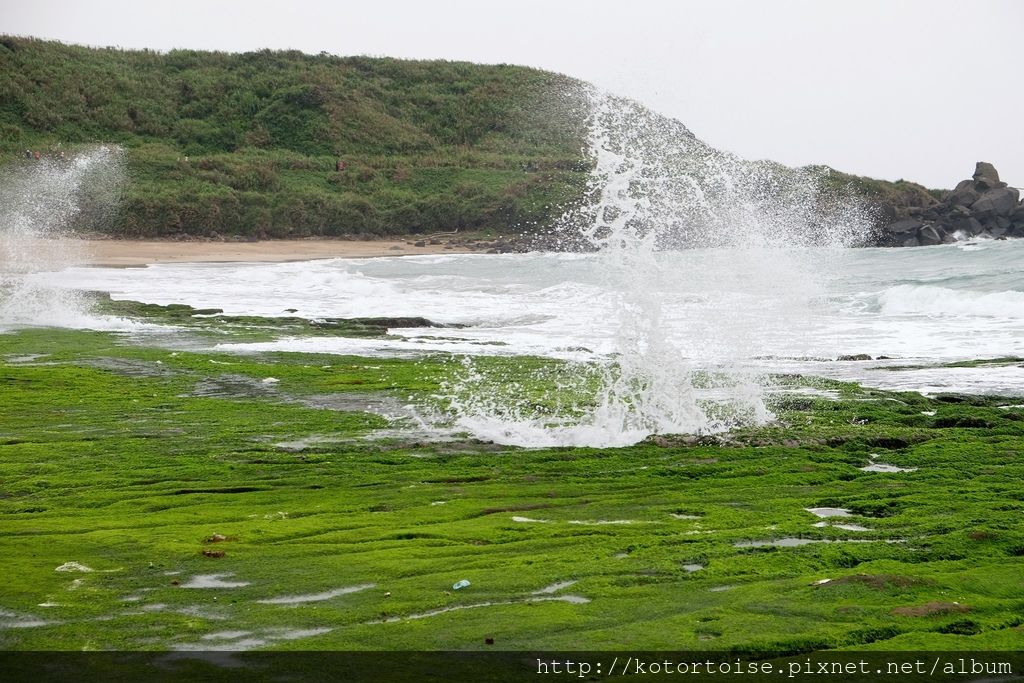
x=28, y=154
x=36, y=155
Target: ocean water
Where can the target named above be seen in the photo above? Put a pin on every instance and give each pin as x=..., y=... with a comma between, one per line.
x=718, y=307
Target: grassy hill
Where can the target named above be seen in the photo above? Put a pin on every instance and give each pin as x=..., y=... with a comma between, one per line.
x=248, y=143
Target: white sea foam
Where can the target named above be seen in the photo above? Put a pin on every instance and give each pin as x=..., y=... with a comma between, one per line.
x=942, y=301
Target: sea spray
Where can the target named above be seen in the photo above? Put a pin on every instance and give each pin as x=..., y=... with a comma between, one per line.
x=42, y=202
x=765, y=236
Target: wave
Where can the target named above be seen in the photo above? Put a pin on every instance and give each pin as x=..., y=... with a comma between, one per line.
x=942, y=301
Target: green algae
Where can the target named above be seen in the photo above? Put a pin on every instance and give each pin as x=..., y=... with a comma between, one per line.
x=110, y=458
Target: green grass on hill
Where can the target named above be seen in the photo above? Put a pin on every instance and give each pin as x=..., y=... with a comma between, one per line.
x=247, y=144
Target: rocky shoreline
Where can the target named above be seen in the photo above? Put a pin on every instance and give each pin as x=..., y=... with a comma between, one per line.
x=982, y=207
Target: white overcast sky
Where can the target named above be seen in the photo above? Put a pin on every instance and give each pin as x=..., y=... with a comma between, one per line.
x=916, y=89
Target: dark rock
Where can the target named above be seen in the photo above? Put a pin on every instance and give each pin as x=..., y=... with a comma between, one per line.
x=928, y=235
x=970, y=226
x=911, y=242
x=963, y=194
x=855, y=356
x=905, y=225
x=421, y=243
x=985, y=175
x=996, y=202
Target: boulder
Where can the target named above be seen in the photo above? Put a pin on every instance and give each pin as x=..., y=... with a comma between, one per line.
x=905, y=225
x=928, y=235
x=996, y=202
x=985, y=175
x=911, y=242
x=964, y=194
x=970, y=226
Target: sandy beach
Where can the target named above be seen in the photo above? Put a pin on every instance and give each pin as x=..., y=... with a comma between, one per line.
x=143, y=252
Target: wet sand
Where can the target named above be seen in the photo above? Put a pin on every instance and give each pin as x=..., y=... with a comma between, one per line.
x=142, y=252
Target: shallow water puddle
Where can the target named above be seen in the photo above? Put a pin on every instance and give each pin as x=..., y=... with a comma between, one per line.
x=572, y=599
x=791, y=542
x=847, y=527
x=315, y=597
x=226, y=635
x=10, y=619
x=239, y=641
x=213, y=581
x=555, y=587
x=23, y=360
x=886, y=468
x=597, y=522
x=529, y=520
x=540, y=595
x=301, y=444
x=828, y=512
x=690, y=568
x=794, y=542
x=130, y=367
x=201, y=612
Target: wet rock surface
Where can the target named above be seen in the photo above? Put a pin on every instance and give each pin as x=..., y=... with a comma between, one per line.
x=982, y=207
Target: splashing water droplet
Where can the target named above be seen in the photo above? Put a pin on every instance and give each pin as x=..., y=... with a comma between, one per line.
x=761, y=236
x=42, y=202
